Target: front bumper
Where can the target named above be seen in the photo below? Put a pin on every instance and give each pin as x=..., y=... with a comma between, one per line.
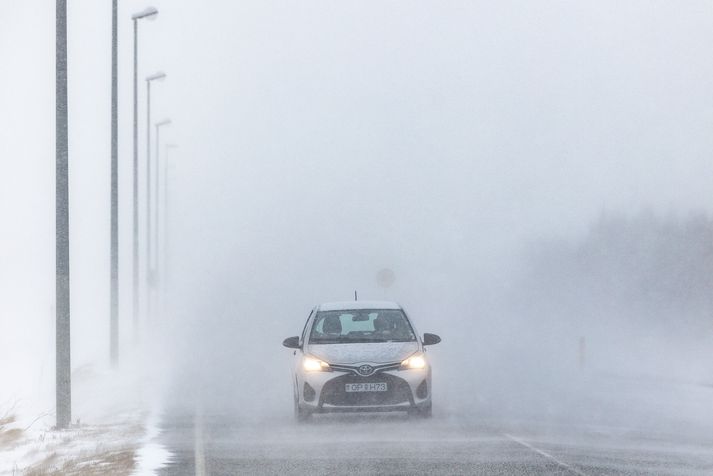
x=325, y=392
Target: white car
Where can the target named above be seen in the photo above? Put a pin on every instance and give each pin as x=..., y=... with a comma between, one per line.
x=360, y=356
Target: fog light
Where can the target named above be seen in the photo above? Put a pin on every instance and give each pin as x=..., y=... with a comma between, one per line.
x=309, y=393
x=422, y=390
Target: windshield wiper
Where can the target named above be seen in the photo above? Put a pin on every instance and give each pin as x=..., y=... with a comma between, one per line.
x=356, y=340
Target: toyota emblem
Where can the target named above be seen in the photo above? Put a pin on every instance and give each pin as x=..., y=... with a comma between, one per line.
x=365, y=370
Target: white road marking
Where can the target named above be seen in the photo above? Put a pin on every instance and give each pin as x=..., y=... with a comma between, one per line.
x=545, y=454
x=199, y=448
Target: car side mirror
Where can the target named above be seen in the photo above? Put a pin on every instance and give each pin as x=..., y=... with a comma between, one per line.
x=430, y=339
x=292, y=342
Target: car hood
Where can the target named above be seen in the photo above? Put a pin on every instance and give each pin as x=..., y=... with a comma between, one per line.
x=358, y=353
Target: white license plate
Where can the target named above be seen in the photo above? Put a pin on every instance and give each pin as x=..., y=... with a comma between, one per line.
x=366, y=387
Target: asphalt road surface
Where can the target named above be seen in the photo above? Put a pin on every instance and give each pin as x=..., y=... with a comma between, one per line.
x=217, y=444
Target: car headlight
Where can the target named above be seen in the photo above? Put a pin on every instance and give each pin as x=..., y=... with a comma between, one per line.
x=310, y=364
x=416, y=361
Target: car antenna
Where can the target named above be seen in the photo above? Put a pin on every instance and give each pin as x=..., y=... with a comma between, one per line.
x=355, y=295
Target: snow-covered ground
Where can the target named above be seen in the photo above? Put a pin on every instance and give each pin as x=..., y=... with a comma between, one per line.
x=114, y=426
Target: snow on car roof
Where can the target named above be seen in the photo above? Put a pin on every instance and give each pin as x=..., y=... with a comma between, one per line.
x=354, y=305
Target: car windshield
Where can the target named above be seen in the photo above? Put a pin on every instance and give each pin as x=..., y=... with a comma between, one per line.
x=369, y=325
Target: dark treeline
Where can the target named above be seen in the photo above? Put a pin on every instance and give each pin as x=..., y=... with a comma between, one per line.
x=643, y=269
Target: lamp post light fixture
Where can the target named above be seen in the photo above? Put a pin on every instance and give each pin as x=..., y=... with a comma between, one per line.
x=149, y=13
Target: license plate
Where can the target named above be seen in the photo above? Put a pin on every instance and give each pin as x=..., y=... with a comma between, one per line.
x=366, y=387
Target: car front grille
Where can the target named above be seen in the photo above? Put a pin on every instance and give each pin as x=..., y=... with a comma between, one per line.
x=334, y=391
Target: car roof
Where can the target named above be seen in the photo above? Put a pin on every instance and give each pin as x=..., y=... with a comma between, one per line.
x=357, y=305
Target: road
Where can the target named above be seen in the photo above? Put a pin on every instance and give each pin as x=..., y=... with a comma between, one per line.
x=216, y=444
x=228, y=412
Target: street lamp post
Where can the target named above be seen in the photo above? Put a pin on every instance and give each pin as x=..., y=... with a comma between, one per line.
x=164, y=246
x=158, y=125
x=63, y=382
x=160, y=76
x=114, y=207
x=149, y=13
x=166, y=161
